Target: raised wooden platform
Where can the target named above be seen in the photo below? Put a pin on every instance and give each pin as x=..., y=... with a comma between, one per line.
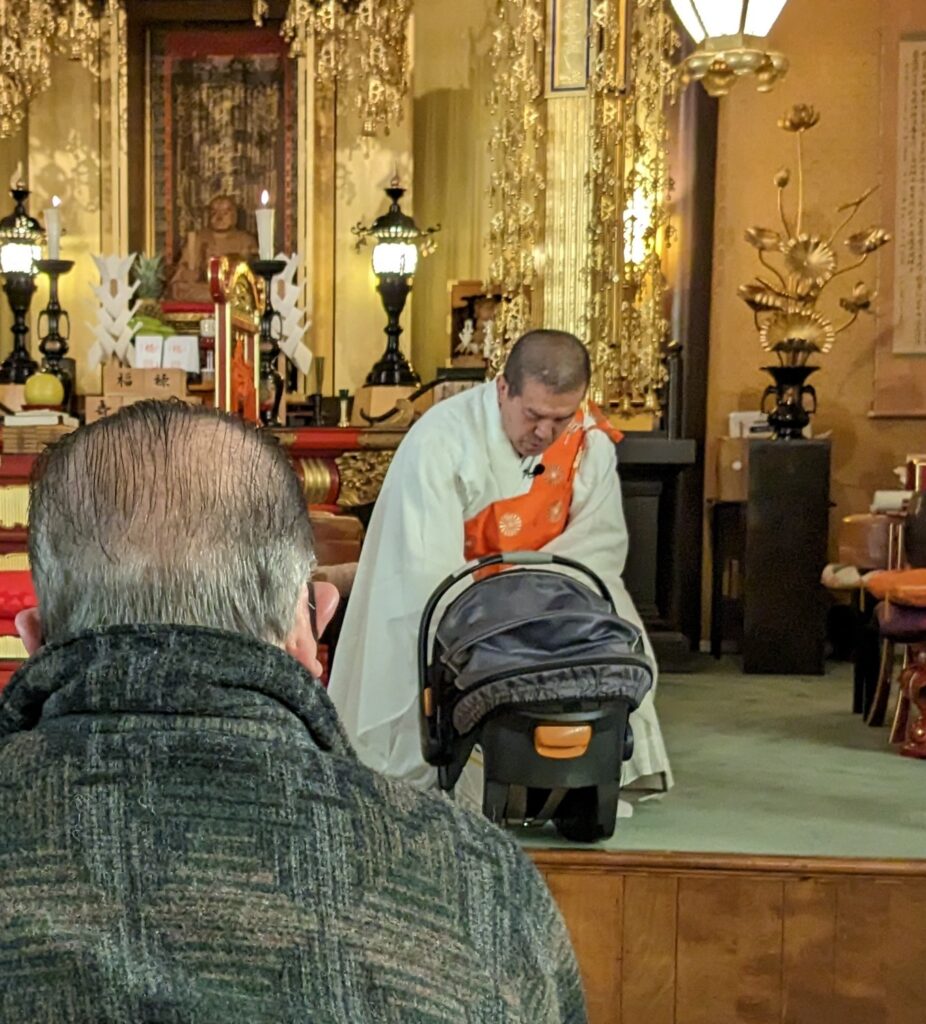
x=680, y=938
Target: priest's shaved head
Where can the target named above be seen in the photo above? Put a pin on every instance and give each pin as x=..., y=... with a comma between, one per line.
x=166, y=513
x=541, y=389
x=555, y=359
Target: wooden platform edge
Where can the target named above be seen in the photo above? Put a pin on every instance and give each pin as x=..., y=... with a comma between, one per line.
x=671, y=862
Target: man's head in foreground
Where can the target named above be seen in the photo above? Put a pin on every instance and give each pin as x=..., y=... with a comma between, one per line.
x=172, y=515
x=541, y=388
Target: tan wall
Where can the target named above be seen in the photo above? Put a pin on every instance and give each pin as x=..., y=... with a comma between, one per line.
x=835, y=48
x=452, y=78
x=363, y=169
x=64, y=160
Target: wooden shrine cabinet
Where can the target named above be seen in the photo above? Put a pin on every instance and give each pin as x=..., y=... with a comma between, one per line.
x=768, y=553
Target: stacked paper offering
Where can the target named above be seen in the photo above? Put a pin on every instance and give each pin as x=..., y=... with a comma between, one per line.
x=112, y=332
x=39, y=418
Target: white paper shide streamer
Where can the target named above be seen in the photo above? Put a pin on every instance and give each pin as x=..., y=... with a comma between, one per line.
x=286, y=295
x=112, y=332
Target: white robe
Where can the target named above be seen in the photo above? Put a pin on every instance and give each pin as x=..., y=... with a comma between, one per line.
x=454, y=462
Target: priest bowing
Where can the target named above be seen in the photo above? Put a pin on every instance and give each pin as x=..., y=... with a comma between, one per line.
x=514, y=464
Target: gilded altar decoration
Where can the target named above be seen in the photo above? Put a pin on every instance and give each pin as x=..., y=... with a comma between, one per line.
x=32, y=32
x=362, y=475
x=786, y=302
x=517, y=177
x=628, y=179
x=360, y=51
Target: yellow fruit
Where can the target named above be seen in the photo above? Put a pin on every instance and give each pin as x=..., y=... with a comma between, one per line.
x=44, y=389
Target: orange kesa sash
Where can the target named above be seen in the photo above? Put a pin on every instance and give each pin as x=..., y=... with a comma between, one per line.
x=530, y=521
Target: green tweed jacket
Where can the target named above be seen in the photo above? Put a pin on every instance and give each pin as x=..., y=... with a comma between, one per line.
x=186, y=837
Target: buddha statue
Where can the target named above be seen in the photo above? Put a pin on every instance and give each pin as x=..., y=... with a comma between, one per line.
x=222, y=237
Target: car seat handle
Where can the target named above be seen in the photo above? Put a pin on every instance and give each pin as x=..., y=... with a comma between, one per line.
x=525, y=558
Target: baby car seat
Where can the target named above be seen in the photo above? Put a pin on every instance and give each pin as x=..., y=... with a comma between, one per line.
x=538, y=670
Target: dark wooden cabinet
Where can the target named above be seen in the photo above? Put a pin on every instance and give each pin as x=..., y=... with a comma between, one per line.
x=657, y=575
x=768, y=554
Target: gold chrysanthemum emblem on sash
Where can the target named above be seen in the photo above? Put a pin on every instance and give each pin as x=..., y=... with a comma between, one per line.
x=510, y=524
x=556, y=511
x=556, y=475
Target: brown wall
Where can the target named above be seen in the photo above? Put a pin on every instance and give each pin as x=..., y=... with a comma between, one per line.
x=836, y=49
x=718, y=939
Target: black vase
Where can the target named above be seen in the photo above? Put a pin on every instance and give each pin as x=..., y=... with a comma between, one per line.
x=791, y=412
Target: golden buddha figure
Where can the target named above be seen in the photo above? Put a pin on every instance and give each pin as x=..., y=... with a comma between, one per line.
x=222, y=237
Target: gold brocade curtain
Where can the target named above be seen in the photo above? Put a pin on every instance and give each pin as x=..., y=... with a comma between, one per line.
x=630, y=82
x=517, y=176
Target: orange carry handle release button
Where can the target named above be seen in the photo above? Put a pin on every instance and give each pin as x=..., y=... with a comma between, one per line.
x=427, y=702
x=561, y=742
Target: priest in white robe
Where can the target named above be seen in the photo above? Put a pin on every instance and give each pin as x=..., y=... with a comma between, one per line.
x=463, y=467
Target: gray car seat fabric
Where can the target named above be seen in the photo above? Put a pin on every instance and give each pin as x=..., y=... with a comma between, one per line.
x=530, y=636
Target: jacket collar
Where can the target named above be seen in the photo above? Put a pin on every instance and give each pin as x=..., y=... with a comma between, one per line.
x=182, y=670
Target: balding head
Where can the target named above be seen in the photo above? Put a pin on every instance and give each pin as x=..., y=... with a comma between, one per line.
x=168, y=514
x=555, y=359
x=541, y=389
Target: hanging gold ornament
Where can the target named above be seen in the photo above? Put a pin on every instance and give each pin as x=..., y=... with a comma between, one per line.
x=517, y=177
x=31, y=32
x=360, y=52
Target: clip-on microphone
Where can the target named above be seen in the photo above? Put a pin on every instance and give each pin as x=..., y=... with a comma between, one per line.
x=536, y=471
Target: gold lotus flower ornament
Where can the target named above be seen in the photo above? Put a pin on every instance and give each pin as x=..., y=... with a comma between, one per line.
x=810, y=261
x=800, y=118
x=801, y=266
x=860, y=300
x=864, y=242
x=763, y=238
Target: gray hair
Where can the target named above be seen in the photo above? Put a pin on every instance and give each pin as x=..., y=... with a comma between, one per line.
x=556, y=359
x=168, y=514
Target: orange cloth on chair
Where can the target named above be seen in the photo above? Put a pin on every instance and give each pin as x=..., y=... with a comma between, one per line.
x=902, y=586
x=528, y=522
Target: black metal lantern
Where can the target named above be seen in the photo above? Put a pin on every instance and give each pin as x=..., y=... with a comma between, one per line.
x=21, y=238
x=395, y=259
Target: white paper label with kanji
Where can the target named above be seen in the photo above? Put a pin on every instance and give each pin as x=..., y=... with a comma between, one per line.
x=910, y=214
x=148, y=349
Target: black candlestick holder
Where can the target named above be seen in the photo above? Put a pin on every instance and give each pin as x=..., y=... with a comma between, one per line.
x=18, y=366
x=393, y=368
x=271, y=331
x=55, y=327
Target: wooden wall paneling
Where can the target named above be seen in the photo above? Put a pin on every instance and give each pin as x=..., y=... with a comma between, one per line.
x=593, y=907
x=648, y=963
x=753, y=939
x=808, y=952
x=880, y=952
x=729, y=950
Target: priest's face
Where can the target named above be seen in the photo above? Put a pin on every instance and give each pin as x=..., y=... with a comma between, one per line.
x=536, y=417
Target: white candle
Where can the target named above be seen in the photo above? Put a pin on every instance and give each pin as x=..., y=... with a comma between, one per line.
x=53, y=228
x=265, y=227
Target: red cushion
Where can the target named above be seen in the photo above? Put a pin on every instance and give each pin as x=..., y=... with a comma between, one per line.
x=16, y=593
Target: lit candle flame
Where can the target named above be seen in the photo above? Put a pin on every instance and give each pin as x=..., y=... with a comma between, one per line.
x=16, y=179
x=264, y=198
x=55, y=201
